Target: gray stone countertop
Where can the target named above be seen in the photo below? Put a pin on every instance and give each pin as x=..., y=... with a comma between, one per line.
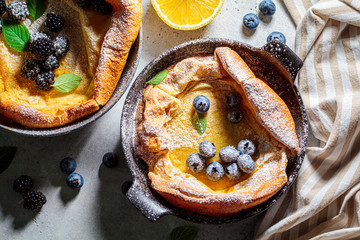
x=100, y=210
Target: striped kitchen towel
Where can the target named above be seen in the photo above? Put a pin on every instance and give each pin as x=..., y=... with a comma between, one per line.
x=324, y=201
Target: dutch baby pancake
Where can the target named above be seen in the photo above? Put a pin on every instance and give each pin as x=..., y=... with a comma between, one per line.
x=169, y=141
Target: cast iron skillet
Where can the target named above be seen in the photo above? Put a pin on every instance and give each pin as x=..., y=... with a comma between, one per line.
x=125, y=79
x=275, y=63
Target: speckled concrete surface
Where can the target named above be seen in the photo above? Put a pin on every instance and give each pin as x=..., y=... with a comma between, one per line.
x=100, y=210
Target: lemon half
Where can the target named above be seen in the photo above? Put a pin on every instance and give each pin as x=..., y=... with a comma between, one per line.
x=187, y=14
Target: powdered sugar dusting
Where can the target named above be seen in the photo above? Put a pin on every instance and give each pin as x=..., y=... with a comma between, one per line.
x=272, y=114
x=157, y=129
x=270, y=109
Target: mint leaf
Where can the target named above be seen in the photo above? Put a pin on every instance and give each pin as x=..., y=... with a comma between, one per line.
x=184, y=233
x=199, y=122
x=67, y=82
x=36, y=8
x=158, y=78
x=16, y=35
x=6, y=156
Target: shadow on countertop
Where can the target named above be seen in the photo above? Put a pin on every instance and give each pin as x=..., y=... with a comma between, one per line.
x=11, y=204
x=118, y=217
x=44, y=171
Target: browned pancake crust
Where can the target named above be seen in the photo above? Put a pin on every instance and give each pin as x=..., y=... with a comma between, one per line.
x=124, y=28
x=33, y=118
x=268, y=107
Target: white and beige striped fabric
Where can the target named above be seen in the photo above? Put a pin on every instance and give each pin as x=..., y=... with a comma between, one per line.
x=324, y=202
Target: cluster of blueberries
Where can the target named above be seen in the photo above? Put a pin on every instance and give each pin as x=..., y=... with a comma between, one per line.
x=75, y=180
x=251, y=20
x=68, y=166
x=201, y=105
x=239, y=160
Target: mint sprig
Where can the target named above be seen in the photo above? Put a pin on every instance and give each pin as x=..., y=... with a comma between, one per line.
x=158, y=78
x=16, y=35
x=36, y=8
x=199, y=122
x=67, y=82
x=6, y=156
x=184, y=233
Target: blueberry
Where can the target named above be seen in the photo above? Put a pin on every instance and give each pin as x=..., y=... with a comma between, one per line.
x=277, y=35
x=68, y=165
x=201, y=104
x=207, y=149
x=235, y=116
x=267, y=8
x=246, y=146
x=75, y=180
x=110, y=159
x=215, y=171
x=196, y=163
x=246, y=163
x=233, y=172
x=251, y=21
x=233, y=99
x=229, y=154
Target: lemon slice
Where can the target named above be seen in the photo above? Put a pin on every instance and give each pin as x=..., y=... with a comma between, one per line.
x=187, y=14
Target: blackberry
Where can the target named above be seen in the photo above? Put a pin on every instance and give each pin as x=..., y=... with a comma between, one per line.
x=30, y=69
x=45, y=80
x=0, y=27
x=2, y=8
x=38, y=35
x=17, y=11
x=42, y=47
x=54, y=22
x=34, y=200
x=51, y=62
x=102, y=6
x=61, y=45
x=83, y=3
x=23, y=184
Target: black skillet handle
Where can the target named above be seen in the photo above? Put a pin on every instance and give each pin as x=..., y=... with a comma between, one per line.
x=144, y=201
x=285, y=55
